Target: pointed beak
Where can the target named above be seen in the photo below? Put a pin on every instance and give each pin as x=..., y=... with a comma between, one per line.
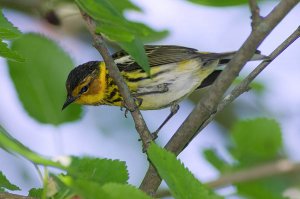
x=68, y=101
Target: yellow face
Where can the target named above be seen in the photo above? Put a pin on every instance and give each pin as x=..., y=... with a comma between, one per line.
x=90, y=91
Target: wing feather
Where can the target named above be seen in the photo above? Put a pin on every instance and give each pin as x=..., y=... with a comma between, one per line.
x=157, y=55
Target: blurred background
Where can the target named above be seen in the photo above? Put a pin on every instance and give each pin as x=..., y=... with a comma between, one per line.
x=104, y=131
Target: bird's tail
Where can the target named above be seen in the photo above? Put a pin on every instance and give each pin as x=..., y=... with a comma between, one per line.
x=224, y=58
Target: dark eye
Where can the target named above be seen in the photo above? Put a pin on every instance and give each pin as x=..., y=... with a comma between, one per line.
x=84, y=89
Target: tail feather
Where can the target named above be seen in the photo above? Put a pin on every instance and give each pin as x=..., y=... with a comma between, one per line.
x=224, y=58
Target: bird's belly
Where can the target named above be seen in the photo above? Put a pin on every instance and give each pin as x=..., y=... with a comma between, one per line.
x=177, y=89
x=181, y=80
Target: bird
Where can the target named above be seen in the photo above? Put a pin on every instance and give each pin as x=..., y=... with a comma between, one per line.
x=175, y=72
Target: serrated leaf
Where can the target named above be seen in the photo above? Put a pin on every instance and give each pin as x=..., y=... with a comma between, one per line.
x=219, y=3
x=40, y=81
x=257, y=139
x=10, y=144
x=10, y=54
x=182, y=183
x=7, y=30
x=5, y=184
x=99, y=170
x=123, y=191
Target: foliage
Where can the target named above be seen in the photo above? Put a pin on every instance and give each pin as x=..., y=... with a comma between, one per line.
x=254, y=142
x=5, y=184
x=41, y=96
x=182, y=183
x=112, y=23
x=38, y=68
x=8, y=32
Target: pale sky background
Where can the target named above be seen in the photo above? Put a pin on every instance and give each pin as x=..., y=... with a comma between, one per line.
x=204, y=28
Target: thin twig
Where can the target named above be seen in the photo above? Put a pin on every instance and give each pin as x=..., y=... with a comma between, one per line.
x=209, y=103
x=114, y=73
x=255, y=16
x=258, y=172
x=276, y=168
x=243, y=86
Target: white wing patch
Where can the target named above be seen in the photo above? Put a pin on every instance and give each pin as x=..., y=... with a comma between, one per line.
x=124, y=60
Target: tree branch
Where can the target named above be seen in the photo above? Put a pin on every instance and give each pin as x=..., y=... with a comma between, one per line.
x=114, y=73
x=256, y=18
x=243, y=86
x=276, y=168
x=258, y=172
x=211, y=99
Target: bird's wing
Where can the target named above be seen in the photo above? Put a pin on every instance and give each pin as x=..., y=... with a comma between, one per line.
x=157, y=55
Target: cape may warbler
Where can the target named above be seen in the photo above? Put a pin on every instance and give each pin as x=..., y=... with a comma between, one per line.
x=175, y=73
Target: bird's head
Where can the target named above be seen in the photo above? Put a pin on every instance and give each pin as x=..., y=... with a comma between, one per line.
x=84, y=84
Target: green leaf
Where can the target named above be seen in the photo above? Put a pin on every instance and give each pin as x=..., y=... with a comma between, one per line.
x=182, y=183
x=5, y=184
x=117, y=33
x=123, y=191
x=145, y=33
x=258, y=87
x=10, y=54
x=86, y=189
x=136, y=50
x=36, y=193
x=101, y=11
x=258, y=139
x=271, y=188
x=99, y=170
x=214, y=159
x=92, y=190
x=8, y=143
x=124, y=5
x=7, y=30
x=40, y=81
x=112, y=23
x=219, y=3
